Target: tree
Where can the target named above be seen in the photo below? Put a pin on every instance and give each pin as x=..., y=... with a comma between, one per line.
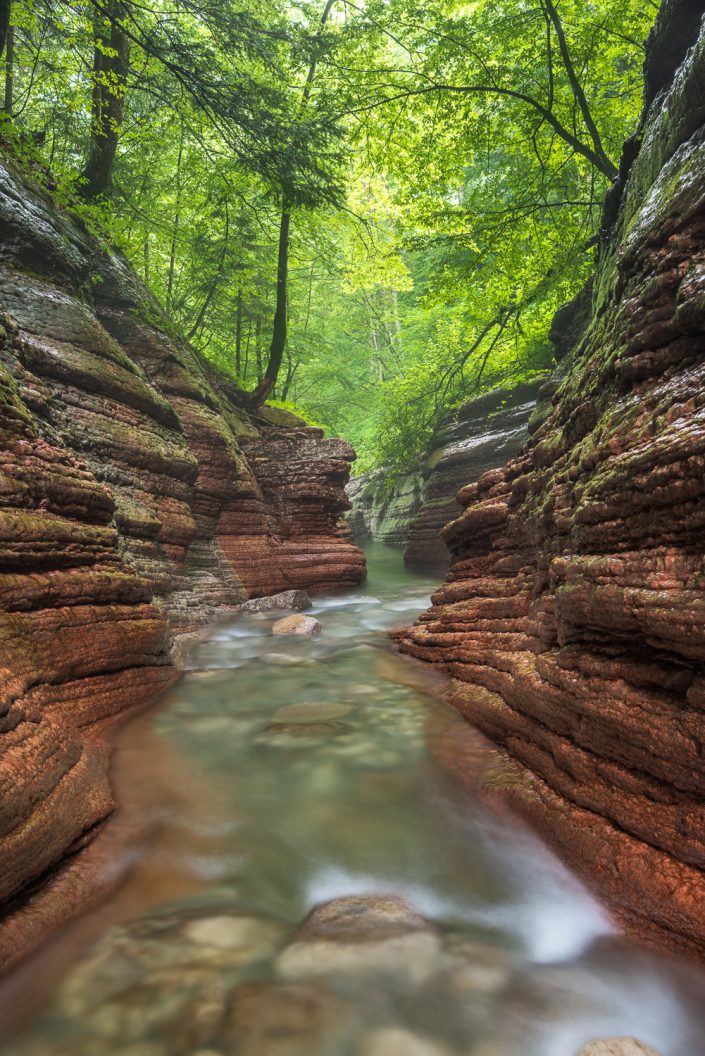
x=406, y=191
x=111, y=60
x=279, y=326
x=5, y=10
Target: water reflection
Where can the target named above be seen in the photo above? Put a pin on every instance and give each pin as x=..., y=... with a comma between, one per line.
x=282, y=773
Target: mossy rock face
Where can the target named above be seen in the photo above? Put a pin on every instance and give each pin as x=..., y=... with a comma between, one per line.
x=574, y=612
x=281, y=417
x=384, y=511
x=411, y=509
x=36, y=237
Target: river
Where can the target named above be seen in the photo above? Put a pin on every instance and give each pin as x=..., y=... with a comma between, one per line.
x=282, y=773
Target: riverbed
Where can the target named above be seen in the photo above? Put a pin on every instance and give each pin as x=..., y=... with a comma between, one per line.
x=283, y=773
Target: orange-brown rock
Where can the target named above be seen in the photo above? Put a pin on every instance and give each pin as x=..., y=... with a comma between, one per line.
x=137, y=497
x=573, y=617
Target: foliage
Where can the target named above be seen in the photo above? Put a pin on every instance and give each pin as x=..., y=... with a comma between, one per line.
x=446, y=180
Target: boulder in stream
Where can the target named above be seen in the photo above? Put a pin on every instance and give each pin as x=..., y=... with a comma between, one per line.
x=360, y=937
x=298, y=600
x=297, y=624
x=617, y=1047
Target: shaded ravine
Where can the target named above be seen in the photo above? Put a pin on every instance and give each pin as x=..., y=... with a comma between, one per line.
x=281, y=773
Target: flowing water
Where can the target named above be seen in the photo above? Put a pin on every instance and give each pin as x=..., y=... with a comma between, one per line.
x=286, y=772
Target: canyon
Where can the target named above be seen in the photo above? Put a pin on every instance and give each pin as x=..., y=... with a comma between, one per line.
x=411, y=509
x=572, y=619
x=138, y=501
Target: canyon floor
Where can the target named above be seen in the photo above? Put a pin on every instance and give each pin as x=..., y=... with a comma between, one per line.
x=309, y=876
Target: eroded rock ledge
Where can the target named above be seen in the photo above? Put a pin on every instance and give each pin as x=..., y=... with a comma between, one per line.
x=136, y=498
x=573, y=617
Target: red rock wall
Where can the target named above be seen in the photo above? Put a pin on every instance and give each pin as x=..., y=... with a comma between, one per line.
x=136, y=498
x=573, y=617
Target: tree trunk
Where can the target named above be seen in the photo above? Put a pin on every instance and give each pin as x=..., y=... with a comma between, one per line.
x=276, y=349
x=5, y=9
x=376, y=368
x=279, y=326
x=258, y=350
x=291, y=369
x=109, y=85
x=397, y=324
x=238, y=333
x=175, y=227
x=9, y=69
x=247, y=349
x=606, y=164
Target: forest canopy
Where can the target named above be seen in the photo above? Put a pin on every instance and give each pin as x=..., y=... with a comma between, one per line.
x=368, y=209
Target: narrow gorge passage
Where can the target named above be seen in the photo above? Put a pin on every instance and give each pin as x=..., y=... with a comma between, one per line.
x=285, y=773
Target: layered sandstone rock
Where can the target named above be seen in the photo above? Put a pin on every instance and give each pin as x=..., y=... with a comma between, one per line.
x=573, y=617
x=481, y=435
x=136, y=498
x=384, y=510
x=411, y=510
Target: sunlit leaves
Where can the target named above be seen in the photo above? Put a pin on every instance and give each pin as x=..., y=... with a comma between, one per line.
x=445, y=179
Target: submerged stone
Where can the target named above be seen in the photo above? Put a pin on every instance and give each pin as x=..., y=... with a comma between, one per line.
x=395, y=1041
x=617, y=1047
x=286, y=731
x=272, y=1020
x=311, y=711
x=304, y=625
x=361, y=937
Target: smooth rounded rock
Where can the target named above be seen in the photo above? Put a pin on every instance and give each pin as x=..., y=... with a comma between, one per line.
x=475, y=967
x=617, y=1047
x=209, y=672
x=298, y=624
x=311, y=711
x=300, y=731
x=285, y=660
x=250, y=935
x=396, y=1041
x=362, y=936
x=362, y=918
x=268, y=1020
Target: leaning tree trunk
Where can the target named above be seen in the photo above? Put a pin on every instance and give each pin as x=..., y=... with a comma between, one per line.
x=279, y=327
x=111, y=63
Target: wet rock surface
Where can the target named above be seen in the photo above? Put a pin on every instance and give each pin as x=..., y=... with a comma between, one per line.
x=411, y=511
x=137, y=498
x=384, y=510
x=311, y=883
x=617, y=1047
x=297, y=625
x=298, y=600
x=572, y=617
x=190, y=981
x=482, y=434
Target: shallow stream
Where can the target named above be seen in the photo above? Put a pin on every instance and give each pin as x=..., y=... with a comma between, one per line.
x=282, y=773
